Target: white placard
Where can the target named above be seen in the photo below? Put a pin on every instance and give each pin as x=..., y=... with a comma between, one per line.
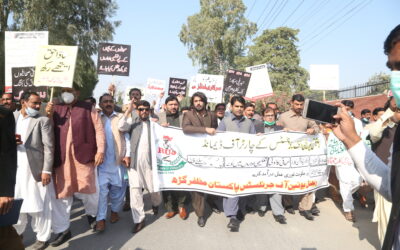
x=210, y=85
x=260, y=84
x=324, y=77
x=21, y=50
x=153, y=89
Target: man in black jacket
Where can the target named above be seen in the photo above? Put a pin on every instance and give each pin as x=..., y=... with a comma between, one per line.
x=9, y=239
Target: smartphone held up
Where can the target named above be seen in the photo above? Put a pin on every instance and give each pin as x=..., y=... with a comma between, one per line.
x=320, y=112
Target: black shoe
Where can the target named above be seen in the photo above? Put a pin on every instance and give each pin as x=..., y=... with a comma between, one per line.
x=314, y=210
x=201, y=221
x=155, y=210
x=61, y=238
x=240, y=215
x=233, y=225
x=290, y=210
x=261, y=213
x=138, y=226
x=280, y=218
x=91, y=221
x=307, y=214
x=40, y=245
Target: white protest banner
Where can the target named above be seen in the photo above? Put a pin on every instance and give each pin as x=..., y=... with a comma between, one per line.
x=236, y=164
x=210, y=85
x=324, y=77
x=153, y=89
x=55, y=66
x=21, y=51
x=260, y=84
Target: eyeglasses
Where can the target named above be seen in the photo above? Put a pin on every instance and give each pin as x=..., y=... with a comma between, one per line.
x=143, y=109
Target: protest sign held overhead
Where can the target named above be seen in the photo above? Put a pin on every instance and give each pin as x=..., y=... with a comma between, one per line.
x=21, y=50
x=235, y=164
x=177, y=86
x=210, y=85
x=55, y=66
x=260, y=84
x=22, y=80
x=153, y=89
x=324, y=77
x=236, y=82
x=114, y=59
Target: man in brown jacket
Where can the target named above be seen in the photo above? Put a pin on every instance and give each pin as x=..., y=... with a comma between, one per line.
x=199, y=121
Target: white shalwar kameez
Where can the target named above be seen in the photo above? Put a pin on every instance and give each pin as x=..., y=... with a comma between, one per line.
x=36, y=196
x=141, y=178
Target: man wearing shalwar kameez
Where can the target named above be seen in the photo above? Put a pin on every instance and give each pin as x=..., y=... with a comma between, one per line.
x=140, y=172
x=35, y=164
x=79, y=148
x=111, y=173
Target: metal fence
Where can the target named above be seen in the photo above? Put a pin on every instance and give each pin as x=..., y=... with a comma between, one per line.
x=358, y=90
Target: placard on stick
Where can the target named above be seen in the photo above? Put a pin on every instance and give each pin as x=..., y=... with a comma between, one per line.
x=114, y=59
x=177, y=86
x=55, y=66
x=22, y=80
x=210, y=85
x=236, y=82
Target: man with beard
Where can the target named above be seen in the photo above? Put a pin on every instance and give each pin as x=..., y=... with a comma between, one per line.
x=174, y=200
x=249, y=110
x=111, y=172
x=140, y=171
x=7, y=101
x=79, y=149
x=199, y=120
x=293, y=120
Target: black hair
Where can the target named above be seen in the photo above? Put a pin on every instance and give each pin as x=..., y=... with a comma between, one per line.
x=377, y=110
x=249, y=104
x=365, y=111
x=391, y=40
x=185, y=108
x=171, y=98
x=25, y=96
x=272, y=103
x=238, y=98
x=104, y=95
x=135, y=89
x=268, y=109
x=202, y=96
x=143, y=103
x=348, y=103
x=91, y=99
x=298, y=97
x=220, y=105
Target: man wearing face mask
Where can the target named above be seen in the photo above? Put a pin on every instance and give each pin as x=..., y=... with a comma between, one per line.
x=79, y=148
x=35, y=165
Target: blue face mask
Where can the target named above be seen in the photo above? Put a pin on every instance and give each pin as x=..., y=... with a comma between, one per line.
x=395, y=86
x=31, y=112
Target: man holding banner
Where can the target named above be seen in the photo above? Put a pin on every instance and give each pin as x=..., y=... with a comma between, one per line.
x=173, y=199
x=235, y=122
x=292, y=120
x=79, y=149
x=199, y=120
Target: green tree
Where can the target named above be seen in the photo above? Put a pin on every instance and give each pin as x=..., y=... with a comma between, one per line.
x=217, y=34
x=75, y=22
x=379, y=83
x=277, y=48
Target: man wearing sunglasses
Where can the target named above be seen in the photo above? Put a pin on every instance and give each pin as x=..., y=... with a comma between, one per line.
x=140, y=170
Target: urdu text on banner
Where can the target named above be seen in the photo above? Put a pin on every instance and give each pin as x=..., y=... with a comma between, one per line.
x=237, y=164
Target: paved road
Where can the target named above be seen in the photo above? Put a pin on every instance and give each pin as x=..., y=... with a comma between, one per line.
x=329, y=231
